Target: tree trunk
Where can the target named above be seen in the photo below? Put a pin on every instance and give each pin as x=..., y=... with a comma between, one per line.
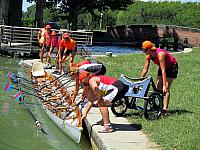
x=73, y=14
x=15, y=12
x=39, y=13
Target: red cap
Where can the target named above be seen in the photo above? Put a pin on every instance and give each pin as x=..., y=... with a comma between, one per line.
x=54, y=33
x=83, y=75
x=65, y=35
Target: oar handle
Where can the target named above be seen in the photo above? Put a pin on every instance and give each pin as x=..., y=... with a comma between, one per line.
x=52, y=81
x=68, y=113
x=58, y=88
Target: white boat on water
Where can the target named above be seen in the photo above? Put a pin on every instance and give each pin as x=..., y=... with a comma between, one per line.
x=68, y=127
x=70, y=123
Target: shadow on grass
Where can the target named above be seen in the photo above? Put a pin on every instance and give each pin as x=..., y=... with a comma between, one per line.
x=175, y=112
x=171, y=113
x=179, y=112
x=139, y=114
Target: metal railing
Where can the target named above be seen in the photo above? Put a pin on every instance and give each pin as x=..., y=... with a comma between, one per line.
x=25, y=39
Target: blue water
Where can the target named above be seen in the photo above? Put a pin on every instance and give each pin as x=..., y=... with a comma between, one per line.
x=101, y=50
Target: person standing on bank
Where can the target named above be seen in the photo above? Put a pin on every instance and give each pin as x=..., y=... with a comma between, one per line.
x=67, y=50
x=47, y=44
x=41, y=41
x=55, y=41
x=167, y=72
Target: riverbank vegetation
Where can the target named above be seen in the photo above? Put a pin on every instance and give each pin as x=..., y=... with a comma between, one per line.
x=181, y=128
x=168, y=13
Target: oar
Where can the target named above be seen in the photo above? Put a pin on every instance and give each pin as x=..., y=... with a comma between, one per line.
x=60, y=103
x=68, y=113
x=26, y=86
x=14, y=77
x=53, y=80
x=19, y=97
x=69, y=81
x=9, y=87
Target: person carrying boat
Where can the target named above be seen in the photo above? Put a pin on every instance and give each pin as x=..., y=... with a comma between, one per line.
x=92, y=66
x=67, y=50
x=103, y=89
x=167, y=71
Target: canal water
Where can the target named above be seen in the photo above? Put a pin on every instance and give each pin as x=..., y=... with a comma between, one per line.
x=116, y=50
x=17, y=128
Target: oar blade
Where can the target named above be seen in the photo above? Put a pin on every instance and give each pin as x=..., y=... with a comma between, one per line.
x=7, y=87
x=18, y=96
x=10, y=74
x=12, y=77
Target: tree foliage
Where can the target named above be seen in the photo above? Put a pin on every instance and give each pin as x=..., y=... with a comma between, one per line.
x=70, y=9
x=171, y=13
x=168, y=13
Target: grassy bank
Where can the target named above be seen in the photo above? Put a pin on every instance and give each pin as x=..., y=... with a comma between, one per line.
x=181, y=128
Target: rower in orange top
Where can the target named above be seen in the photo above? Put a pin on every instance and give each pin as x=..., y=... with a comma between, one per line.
x=67, y=50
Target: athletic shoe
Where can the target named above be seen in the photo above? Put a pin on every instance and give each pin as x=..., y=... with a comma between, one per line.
x=162, y=113
x=100, y=122
x=106, y=129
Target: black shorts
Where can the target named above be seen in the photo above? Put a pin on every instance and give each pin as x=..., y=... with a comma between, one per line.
x=47, y=48
x=171, y=72
x=67, y=52
x=122, y=89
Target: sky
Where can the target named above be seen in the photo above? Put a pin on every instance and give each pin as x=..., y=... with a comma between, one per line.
x=26, y=4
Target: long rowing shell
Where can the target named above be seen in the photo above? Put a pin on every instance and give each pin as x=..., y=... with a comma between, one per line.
x=58, y=104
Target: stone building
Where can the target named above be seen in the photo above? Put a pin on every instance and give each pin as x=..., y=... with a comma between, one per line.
x=11, y=12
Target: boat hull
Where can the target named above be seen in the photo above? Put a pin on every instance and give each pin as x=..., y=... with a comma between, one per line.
x=70, y=130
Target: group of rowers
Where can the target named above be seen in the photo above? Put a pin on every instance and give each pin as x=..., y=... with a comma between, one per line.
x=99, y=88
x=66, y=47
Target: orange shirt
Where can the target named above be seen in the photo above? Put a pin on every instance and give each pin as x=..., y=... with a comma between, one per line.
x=69, y=45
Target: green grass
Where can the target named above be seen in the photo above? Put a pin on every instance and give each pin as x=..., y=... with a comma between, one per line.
x=181, y=129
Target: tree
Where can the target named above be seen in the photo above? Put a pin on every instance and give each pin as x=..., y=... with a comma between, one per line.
x=72, y=8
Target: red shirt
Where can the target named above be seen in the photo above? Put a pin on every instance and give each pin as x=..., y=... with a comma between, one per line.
x=69, y=45
x=107, y=79
x=55, y=41
x=48, y=37
x=169, y=59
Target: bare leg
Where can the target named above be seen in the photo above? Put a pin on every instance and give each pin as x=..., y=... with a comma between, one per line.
x=42, y=54
x=48, y=56
x=167, y=95
x=103, y=110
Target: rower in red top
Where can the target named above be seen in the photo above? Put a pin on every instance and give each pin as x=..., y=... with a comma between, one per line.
x=55, y=41
x=67, y=50
x=103, y=89
x=167, y=72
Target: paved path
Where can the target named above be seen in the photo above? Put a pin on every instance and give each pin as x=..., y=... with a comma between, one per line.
x=126, y=136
